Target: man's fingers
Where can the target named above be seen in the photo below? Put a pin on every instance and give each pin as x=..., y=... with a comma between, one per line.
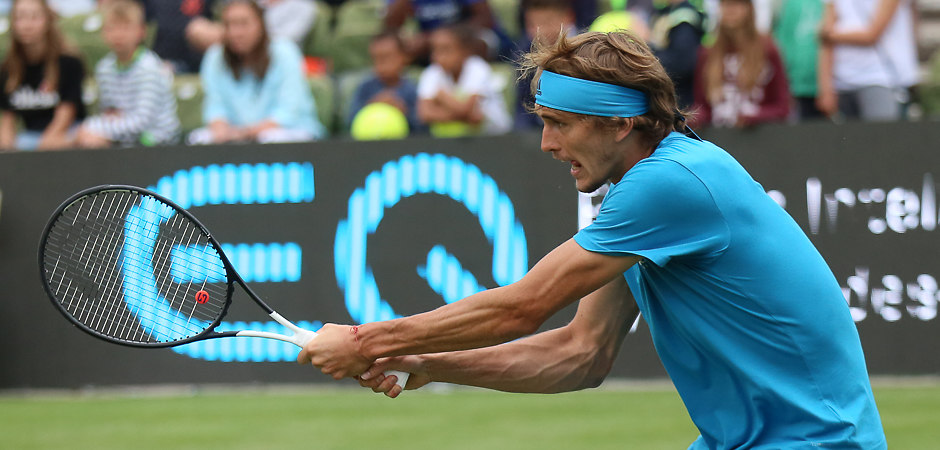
x=303, y=357
x=394, y=391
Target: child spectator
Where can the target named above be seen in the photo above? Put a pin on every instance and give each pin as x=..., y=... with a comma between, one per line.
x=676, y=33
x=545, y=21
x=388, y=83
x=136, y=89
x=869, y=58
x=456, y=94
x=740, y=80
x=254, y=86
x=185, y=30
x=39, y=83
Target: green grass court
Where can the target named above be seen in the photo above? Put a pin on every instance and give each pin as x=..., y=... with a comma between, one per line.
x=631, y=417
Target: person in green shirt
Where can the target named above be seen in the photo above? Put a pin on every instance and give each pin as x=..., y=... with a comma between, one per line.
x=797, y=34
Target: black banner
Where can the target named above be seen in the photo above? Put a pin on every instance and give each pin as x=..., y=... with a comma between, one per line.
x=350, y=232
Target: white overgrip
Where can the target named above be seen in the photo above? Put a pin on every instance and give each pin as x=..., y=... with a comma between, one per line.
x=302, y=336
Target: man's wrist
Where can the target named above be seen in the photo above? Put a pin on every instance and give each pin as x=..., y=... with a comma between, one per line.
x=361, y=334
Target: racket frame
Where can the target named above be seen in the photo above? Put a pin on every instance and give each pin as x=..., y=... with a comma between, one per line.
x=299, y=337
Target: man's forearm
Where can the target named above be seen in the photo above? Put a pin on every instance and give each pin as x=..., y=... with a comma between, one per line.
x=548, y=362
x=487, y=318
x=497, y=315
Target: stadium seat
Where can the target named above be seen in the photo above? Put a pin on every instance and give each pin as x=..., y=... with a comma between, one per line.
x=189, y=95
x=84, y=31
x=929, y=89
x=507, y=14
x=4, y=36
x=346, y=45
x=346, y=84
x=323, y=89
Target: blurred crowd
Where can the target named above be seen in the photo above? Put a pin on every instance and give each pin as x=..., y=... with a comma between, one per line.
x=438, y=67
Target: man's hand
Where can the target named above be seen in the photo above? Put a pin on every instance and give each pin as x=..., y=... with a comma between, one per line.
x=374, y=377
x=335, y=351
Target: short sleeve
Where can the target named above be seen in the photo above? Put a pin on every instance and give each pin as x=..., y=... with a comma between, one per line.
x=659, y=211
x=477, y=77
x=430, y=81
x=211, y=74
x=4, y=97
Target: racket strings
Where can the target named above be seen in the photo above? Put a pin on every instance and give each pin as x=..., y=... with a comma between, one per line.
x=129, y=267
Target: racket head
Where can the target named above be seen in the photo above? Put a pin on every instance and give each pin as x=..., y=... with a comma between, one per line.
x=129, y=266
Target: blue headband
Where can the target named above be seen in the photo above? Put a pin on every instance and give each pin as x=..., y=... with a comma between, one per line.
x=589, y=97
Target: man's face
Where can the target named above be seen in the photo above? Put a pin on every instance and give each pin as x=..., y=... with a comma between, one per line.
x=591, y=150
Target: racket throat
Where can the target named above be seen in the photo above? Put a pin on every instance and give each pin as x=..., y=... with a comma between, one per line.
x=300, y=336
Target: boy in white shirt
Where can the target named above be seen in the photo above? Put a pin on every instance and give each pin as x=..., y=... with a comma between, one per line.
x=457, y=93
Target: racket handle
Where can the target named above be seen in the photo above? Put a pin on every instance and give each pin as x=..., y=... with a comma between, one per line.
x=402, y=377
x=302, y=336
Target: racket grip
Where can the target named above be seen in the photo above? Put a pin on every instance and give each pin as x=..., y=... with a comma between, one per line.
x=402, y=377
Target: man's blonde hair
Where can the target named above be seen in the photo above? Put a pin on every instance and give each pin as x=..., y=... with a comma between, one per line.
x=619, y=58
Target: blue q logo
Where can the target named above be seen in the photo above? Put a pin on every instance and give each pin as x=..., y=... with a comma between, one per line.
x=426, y=174
x=281, y=262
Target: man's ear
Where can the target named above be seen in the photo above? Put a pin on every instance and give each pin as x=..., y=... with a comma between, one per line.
x=624, y=128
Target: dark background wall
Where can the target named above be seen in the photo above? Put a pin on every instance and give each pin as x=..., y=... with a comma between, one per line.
x=864, y=193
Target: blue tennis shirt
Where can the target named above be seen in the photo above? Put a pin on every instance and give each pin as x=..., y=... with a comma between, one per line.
x=745, y=314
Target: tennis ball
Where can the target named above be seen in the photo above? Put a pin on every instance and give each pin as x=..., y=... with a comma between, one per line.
x=452, y=129
x=612, y=21
x=377, y=121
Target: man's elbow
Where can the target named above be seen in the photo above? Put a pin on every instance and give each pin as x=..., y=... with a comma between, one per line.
x=597, y=372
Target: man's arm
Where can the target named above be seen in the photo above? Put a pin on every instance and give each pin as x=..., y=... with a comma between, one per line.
x=576, y=356
x=869, y=35
x=487, y=318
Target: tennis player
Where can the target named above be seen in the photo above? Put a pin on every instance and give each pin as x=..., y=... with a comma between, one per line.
x=745, y=314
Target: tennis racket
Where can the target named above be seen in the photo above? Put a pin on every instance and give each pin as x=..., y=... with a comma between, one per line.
x=131, y=267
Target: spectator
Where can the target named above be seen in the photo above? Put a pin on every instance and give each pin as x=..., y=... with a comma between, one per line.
x=456, y=94
x=740, y=80
x=184, y=31
x=254, y=86
x=433, y=14
x=289, y=19
x=388, y=83
x=136, y=89
x=41, y=84
x=545, y=21
x=675, y=38
x=797, y=33
x=869, y=58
